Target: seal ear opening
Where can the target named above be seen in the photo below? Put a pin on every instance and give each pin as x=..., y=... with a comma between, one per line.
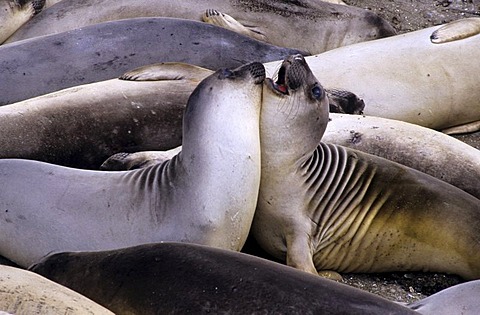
x=166, y=71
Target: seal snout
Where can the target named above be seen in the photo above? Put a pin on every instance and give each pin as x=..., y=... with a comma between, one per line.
x=257, y=71
x=291, y=75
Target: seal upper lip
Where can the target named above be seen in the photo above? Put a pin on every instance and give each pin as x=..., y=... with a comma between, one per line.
x=280, y=85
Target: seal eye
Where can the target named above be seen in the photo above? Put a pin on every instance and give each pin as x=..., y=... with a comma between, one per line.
x=317, y=92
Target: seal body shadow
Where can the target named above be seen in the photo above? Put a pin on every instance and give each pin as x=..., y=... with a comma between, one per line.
x=206, y=194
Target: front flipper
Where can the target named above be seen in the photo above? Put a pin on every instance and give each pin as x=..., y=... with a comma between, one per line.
x=456, y=30
x=300, y=256
x=344, y=102
x=465, y=128
x=131, y=161
x=167, y=71
x=226, y=21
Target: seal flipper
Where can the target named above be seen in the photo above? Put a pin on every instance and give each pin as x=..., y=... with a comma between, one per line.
x=344, y=102
x=167, y=71
x=130, y=161
x=217, y=18
x=473, y=126
x=456, y=30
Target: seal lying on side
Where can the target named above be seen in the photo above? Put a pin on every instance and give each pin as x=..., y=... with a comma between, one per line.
x=423, y=149
x=323, y=25
x=105, y=51
x=82, y=126
x=188, y=198
x=14, y=13
x=416, y=81
x=329, y=208
x=459, y=299
x=24, y=292
x=178, y=278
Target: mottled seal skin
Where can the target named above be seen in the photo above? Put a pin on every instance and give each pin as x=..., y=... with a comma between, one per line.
x=407, y=77
x=107, y=50
x=329, y=208
x=459, y=299
x=168, y=278
x=423, y=149
x=25, y=292
x=322, y=26
x=46, y=207
x=84, y=125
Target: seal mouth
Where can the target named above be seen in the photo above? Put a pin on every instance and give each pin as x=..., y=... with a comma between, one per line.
x=290, y=76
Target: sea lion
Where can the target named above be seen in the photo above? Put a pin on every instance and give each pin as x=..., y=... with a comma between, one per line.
x=107, y=50
x=184, y=278
x=323, y=25
x=206, y=194
x=82, y=126
x=409, y=77
x=459, y=299
x=329, y=208
x=25, y=292
x=423, y=149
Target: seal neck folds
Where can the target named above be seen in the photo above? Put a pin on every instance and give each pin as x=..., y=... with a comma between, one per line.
x=293, y=103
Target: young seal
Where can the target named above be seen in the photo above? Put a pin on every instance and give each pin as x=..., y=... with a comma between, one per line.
x=325, y=207
x=169, y=278
x=25, y=292
x=107, y=50
x=322, y=25
x=82, y=126
x=409, y=77
x=206, y=194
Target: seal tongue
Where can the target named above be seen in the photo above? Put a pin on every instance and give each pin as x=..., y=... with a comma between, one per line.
x=280, y=84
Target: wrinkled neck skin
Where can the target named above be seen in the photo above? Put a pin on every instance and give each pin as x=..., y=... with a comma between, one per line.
x=291, y=127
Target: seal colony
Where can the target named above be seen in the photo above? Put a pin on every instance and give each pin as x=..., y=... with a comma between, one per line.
x=187, y=198
x=323, y=25
x=203, y=279
x=331, y=209
x=70, y=58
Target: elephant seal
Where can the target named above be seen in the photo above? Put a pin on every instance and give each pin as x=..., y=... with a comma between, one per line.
x=181, y=278
x=423, y=149
x=459, y=299
x=334, y=209
x=25, y=292
x=83, y=125
x=416, y=81
x=323, y=25
x=107, y=50
x=188, y=198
